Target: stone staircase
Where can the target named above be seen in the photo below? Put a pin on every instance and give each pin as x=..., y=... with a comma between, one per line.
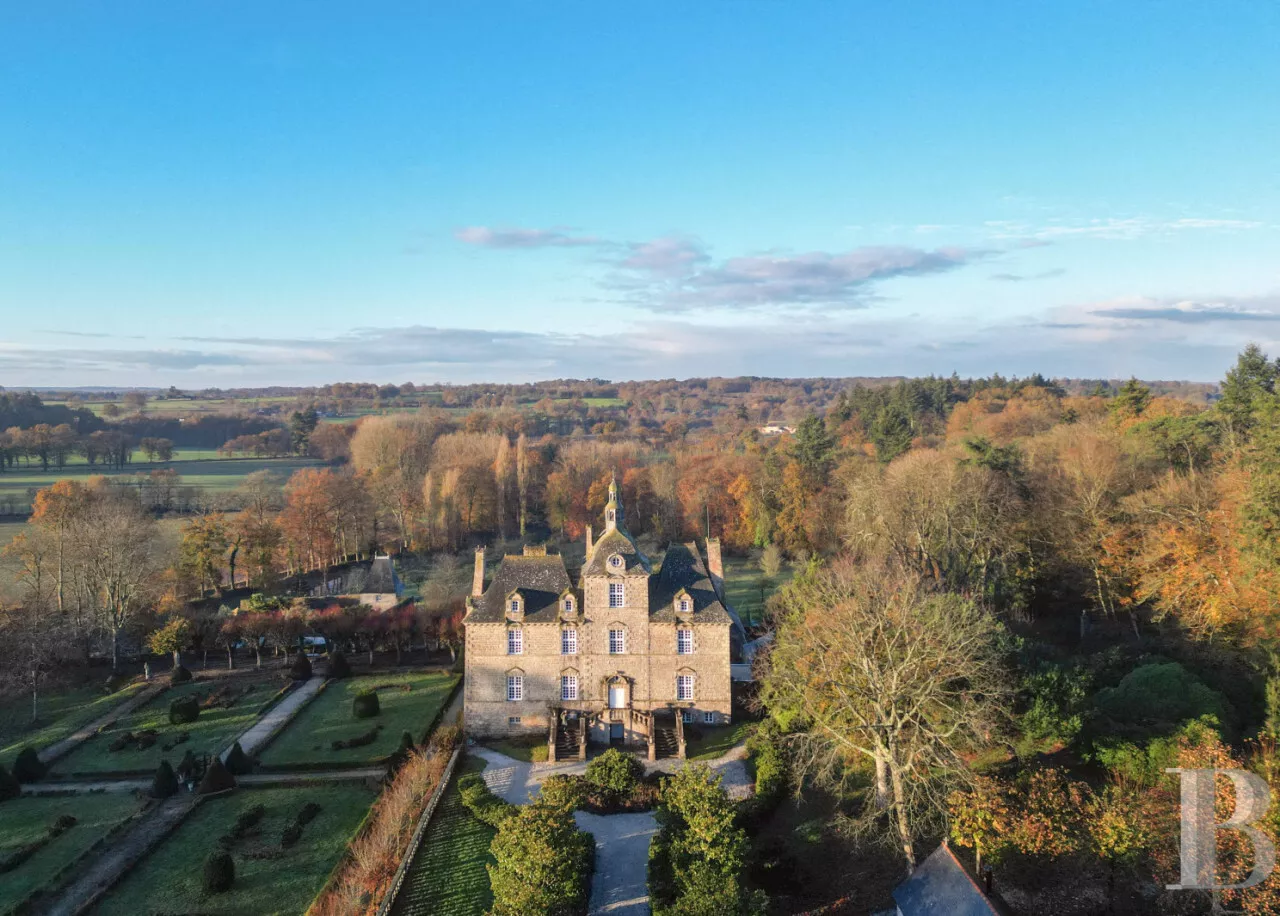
x=567, y=742
x=665, y=742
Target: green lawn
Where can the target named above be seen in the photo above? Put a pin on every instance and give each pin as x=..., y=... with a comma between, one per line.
x=715, y=742
x=61, y=713
x=448, y=876
x=269, y=880
x=520, y=748
x=328, y=718
x=209, y=734
x=25, y=820
x=742, y=587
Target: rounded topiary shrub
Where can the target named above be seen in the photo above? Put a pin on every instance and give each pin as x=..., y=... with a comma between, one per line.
x=216, y=779
x=301, y=669
x=179, y=675
x=365, y=705
x=9, y=787
x=28, y=768
x=616, y=772
x=238, y=762
x=338, y=666
x=184, y=710
x=291, y=834
x=165, y=782
x=219, y=872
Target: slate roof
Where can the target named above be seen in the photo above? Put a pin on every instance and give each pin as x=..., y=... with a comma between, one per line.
x=382, y=577
x=940, y=886
x=682, y=568
x=540, y=580
x=615, y=540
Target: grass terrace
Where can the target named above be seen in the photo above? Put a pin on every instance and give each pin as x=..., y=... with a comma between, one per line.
x=211, y=733
x=24, y=821
x=61, y=713
x=448, y=876
x=408, y=702
x=742, y=578
x=712, y=742
x=270, y=879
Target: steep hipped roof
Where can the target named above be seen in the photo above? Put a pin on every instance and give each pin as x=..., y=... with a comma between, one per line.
x=382, y=577
x=941, y=887
x=682, y=568
x=619, y=541
x=540, y=581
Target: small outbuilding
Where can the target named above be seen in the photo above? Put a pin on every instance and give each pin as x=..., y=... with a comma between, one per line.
x=941, y=886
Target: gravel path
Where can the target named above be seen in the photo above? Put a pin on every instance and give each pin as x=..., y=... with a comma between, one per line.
x=266, y=728
x=620, y=885
x=80, y=736
x=121, y=855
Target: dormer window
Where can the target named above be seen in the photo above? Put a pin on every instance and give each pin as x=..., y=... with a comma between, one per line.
x=568, y=606
x=616, y=561
x=515, y=605
x=683, y=604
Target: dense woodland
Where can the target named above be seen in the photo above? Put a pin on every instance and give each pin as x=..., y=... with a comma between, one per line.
x=1052, y=590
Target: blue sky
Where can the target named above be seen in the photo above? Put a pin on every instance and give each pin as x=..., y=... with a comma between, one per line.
x=293, y=193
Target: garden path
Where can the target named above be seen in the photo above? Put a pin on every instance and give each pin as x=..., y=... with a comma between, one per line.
x=620, y=884
x=121, y=855
x=81, y=735
x=294, y=778
x=266, y=728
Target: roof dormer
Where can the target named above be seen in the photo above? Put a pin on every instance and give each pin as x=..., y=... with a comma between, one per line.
x=515, y=605
x=568, y=603
x=616, y=563
x=682, y=604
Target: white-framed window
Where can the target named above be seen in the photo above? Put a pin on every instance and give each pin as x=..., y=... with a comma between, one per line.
x=617, y=642
x=684, y=605
x=616, y=561
x=568, y=605
x=617, y=596
x=514, y=720
x=684, y=641
x=687, y=716
x=515, y=605
x=569, y=642
x=709, y=718
x=515, y=642
x=515, y=687
x=568, y=686
x=684, y=686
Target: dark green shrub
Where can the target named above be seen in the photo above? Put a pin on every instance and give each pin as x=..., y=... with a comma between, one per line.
x=358, y=741
x=28, y=768
x=543, y=863
x=481, y=802
x=250, y=818
x=184, y=710
x=365, y=705
x=400, y=755
x=238, y=762
x=179, y=675
x=219, y=872
x=186, y=767
x=291, y=835
x=565, y=792
x=62, y=824
x=338, y=666
x=165, y=782
x=9, y=787
x=301, y=670
x=616, y=772
x=1156, y=698
x=117, y=682
x=308, y=813
x=216, y=779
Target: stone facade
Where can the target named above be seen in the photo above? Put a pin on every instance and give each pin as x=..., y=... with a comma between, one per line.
x=541, y=645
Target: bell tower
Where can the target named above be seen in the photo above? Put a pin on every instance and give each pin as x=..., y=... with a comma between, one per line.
x=613, y=508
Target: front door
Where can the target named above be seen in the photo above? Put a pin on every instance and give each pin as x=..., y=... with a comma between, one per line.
x=617, y=697
x=615, y=733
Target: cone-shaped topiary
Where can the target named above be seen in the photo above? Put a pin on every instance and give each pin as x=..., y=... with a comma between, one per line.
x=184, y=710
x=216, y=779
x=187, y=766
x=301, y=670
x=238, y=762
x=165, y=783
x=28, y=768
x=338, y=667
x=219, y=872
x=179, y=675
x=9, y=787
x=365, y=705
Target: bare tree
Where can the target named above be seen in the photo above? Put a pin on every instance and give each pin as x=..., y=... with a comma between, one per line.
x=878, y=669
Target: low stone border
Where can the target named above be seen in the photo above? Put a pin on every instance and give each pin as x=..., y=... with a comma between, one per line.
x=411, y=851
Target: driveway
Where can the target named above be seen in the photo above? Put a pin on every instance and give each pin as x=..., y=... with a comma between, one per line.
x=620, y=885
x=516, y=781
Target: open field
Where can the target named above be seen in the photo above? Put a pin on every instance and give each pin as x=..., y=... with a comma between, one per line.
x=269, y=879
x=448, y=876
x=181, y=407
x=26, y=820
x=742, y=587
x=328, y=718
x=61, y=713
x=212, y=732
x=202, y=470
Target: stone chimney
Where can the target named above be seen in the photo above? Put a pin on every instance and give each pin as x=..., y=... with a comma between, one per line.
x=590, y=542
x=715, y=566
x=477, y=579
